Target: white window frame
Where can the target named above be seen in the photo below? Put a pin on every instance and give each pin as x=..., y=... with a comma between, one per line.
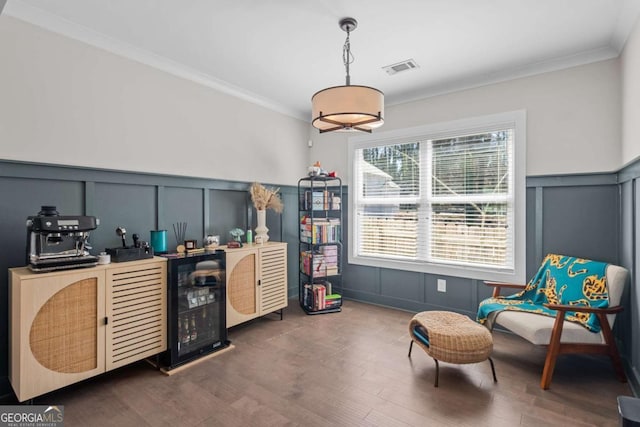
x=512, y=119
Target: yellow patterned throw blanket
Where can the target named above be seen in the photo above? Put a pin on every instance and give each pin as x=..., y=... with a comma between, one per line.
x=560, y=280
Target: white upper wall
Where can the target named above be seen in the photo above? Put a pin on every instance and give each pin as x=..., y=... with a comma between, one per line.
x=65, y=102
x=631, y=97
x=573, y=119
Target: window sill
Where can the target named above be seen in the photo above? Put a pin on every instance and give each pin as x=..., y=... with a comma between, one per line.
x=477, y=273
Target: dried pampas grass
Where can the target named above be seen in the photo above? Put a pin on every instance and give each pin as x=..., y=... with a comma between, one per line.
x=265, y=198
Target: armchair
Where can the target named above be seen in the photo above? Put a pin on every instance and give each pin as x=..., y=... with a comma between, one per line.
x=556, y=321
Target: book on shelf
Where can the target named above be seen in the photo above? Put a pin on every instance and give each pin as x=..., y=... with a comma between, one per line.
x=329, y=250
x=319, y=292
x=327, y=285
x=332, y=301
x=320, y=200
x=317, y=201
x=307, y=296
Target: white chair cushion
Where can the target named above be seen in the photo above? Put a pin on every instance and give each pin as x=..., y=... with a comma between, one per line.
x=537, y=328
x=616, y=279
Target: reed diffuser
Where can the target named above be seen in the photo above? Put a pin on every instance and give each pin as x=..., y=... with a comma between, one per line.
x=180, y=230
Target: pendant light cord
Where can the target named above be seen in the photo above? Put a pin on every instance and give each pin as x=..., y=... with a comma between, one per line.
x=347, y=57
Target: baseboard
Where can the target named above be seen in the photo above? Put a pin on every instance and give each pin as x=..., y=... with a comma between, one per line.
x=632, y=377
x=181, y=368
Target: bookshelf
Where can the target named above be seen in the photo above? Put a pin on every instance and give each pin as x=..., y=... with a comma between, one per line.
x=320, y=243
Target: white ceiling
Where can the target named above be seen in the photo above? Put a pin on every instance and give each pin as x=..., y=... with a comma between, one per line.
x=279, y=53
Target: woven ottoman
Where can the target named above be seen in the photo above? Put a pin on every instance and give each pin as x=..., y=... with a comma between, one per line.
x=452, y=338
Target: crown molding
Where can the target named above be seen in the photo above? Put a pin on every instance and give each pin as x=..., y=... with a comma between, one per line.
x=629, y=13
x=56, y=24
x=529, y=70
x=628, y=17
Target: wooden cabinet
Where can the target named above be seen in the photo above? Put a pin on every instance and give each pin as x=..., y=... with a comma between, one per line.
x=136, y=309
x=52, y=345
x=68, y=326
x=256, y=281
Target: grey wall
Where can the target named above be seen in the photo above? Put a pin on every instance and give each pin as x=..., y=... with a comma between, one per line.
x=138, y=202
x=587, y=215
x=630, y=258
x=574, y=215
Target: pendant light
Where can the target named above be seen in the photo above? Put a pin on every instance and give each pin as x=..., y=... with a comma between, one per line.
x=348, y=107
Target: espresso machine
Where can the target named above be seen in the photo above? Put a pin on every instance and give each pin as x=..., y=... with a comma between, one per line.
x=56, y=242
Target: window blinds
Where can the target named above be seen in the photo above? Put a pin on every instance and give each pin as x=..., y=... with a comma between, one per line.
x=446, y=200
x=387, y=200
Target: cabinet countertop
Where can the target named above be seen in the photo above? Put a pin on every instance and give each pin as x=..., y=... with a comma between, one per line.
x=246, y=246
x=25, y=271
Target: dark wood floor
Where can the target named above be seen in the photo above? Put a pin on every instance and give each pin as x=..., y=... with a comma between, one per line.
x=348, y=369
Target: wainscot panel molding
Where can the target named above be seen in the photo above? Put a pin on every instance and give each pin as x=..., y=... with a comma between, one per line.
x=586, y=215
x=140, y=202
x=574, y=215
x=629, y=172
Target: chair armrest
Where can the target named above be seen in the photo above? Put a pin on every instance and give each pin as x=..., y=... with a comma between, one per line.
x=601, y=313
x=499, y=285
x=583, y=309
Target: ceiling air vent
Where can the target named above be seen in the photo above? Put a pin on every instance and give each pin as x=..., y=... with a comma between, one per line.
x=400, y=67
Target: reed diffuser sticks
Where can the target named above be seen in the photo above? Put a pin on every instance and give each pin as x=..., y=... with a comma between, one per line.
x=180, y=230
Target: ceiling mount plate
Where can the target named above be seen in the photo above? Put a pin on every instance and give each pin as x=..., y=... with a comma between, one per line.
x=348, y=24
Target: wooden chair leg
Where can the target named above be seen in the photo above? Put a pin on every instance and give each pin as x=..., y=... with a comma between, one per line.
x=552, y=352
x=612, y=349
x=617, y=363
x=437, y=372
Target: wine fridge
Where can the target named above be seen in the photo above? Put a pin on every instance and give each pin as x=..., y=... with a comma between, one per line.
x=196, y=308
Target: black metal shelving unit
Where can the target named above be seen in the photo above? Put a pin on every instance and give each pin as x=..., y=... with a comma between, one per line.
x=320, y=244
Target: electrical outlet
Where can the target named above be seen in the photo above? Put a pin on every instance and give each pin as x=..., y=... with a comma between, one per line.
x=442, y=285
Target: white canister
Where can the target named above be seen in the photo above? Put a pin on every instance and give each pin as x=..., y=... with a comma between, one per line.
x=104, y=258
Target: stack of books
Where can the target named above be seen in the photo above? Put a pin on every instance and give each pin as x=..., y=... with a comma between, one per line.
x=330, y=259
x=320, y=264
x=321, y=200
x=319, y=297
x=333, y=301
x=323, y=230
x=310, y=263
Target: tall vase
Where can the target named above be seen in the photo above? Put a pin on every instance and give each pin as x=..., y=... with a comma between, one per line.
x=261, y=229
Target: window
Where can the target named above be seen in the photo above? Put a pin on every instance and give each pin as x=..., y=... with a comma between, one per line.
x=446, y=199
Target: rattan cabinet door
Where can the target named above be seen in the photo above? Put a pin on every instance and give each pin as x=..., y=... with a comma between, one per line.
x=242, y=285
x=57, y=333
